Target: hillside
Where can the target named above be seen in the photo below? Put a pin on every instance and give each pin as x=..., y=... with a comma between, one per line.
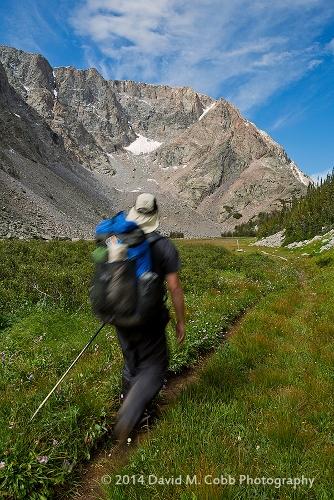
x=302, y=219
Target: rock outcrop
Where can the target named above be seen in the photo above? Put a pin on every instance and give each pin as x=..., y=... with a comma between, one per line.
x=42, y=192
x=227, y=168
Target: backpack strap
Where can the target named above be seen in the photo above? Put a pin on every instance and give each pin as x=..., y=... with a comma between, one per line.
x=153, y=238
x=132, y=238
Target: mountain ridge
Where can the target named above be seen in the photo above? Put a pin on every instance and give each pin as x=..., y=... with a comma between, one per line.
x=197, y=154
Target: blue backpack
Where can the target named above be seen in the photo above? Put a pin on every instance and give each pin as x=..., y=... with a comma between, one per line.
x=125, y=291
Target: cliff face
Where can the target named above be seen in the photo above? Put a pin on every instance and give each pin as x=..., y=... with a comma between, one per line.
x=94, y=144
x=42, y=191
x=159, y=111
x=226, y=167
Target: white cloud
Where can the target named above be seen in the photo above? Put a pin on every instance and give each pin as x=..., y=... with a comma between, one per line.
x=244, y=50
x=330, y=46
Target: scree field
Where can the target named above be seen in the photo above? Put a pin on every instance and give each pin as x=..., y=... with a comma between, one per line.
x=261, y=404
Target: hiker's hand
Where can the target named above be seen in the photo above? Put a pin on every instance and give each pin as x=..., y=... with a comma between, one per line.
x=180, y=332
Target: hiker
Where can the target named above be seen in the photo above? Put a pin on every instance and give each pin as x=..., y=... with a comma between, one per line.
x=144, y=348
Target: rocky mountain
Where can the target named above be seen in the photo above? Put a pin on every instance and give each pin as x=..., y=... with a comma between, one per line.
x=41, y=190
x=227, y=168
x=74, y=145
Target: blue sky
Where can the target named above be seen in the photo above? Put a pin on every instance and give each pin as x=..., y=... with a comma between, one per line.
x=273, y=59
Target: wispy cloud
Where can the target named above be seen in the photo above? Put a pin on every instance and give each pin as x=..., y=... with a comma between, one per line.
x=244, y=50
x=330, y=46
x=33, y=24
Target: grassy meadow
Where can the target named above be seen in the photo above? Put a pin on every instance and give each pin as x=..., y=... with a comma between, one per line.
x=262, y=407
x=45, y=320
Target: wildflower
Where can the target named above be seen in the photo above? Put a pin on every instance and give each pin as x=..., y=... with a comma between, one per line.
x=2, y=465
x=67, y=465
x=239, y=438
x=258, y=447
x=55, y=442
x=129, y=441
x=42, y=459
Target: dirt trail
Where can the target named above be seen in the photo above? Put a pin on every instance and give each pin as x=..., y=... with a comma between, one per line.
x=112, y=458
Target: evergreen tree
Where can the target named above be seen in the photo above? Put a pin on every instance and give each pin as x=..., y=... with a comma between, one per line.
x=302, y=218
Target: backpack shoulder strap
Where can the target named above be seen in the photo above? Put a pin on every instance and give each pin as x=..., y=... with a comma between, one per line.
x=154, y=237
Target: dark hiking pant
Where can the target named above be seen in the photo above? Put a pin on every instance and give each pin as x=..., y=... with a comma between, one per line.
x=145, y=365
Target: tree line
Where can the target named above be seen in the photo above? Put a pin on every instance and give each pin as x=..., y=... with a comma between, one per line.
x=302, y=218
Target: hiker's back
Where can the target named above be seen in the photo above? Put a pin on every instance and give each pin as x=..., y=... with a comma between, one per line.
x=165, y=257
x=125, y=289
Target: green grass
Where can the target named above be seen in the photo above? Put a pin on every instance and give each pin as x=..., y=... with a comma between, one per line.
x=263, y=406
x=45, y=320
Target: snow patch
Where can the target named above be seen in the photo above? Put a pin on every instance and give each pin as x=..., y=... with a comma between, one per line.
x=268, y=138
x=136, y=190
x=144, y=101
x=299, y=174
x=248, y=123
x=206, y=110
x=264, y=134
x=17, y=115
x=55, y=93
x=26, y=88
x=153, y=180
x=142, y=145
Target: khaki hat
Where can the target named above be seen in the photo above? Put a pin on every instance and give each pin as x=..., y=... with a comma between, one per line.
x=145, y=212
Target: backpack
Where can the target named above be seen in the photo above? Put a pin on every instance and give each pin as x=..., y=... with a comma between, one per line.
x=124, y=292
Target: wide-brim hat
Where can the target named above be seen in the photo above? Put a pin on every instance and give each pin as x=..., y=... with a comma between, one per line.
x=145, y=212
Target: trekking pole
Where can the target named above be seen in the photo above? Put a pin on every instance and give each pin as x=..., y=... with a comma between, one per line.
x=68, y=369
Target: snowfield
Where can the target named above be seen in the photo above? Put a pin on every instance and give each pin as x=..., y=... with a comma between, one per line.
x=142, y=145
x=299, y=174
x=206, y=110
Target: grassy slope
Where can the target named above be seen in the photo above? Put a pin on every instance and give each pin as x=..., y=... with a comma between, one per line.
x=45, y=320
x=263, y=406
